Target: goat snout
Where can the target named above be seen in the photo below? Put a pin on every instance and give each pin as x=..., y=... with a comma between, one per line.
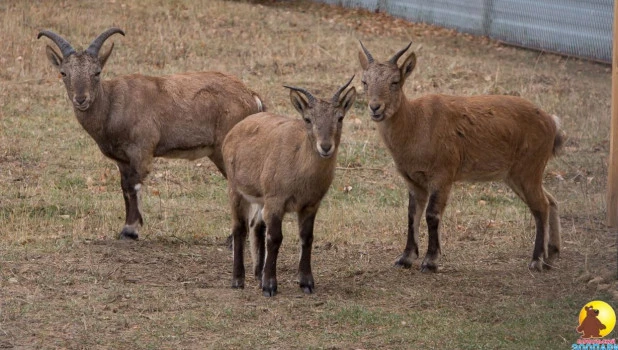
x=377, y=111
x=81, y=102
x=325, y=149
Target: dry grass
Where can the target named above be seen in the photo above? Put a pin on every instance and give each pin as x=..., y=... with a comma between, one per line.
x=65, y=282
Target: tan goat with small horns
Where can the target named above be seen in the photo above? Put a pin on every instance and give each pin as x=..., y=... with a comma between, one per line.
x=134, y=118
x=437, y=140
x=282, y=165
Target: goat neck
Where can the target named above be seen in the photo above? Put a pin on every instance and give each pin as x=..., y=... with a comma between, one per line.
x=403, y=125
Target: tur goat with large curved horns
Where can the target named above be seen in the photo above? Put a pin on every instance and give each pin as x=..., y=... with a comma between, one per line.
x=134, y=118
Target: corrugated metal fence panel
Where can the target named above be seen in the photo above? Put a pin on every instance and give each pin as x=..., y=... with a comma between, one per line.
x=466, y=16
x=574, y=27
x=368, y=4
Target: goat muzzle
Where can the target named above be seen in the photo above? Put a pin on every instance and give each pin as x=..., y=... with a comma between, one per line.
x=377, y=111
x=81, y=102
x=325, y=150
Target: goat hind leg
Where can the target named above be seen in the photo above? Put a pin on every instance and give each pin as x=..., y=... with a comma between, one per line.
x=553, y=246
x=257, y=235
x=539, y=206
x=239, y=236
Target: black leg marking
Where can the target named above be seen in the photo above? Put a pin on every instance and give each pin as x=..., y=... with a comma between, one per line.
x=238, y=273
x=306, y=221
x=537, y=253
x=410, y=252
x=129, y=179
x=274, y=238
x=433, y=224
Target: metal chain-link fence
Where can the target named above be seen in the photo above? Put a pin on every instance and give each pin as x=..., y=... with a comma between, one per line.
x=581, y=28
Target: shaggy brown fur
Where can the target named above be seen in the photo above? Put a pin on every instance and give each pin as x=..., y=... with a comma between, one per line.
x=134, y=118
x=437, y=140
x=282, y=165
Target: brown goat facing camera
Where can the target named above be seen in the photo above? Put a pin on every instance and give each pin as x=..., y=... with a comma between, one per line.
x=282, y=165
x=134, y=118
x=437, y=140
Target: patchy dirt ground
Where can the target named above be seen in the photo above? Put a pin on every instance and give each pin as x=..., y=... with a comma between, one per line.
x=170, y=294
x=67, y=283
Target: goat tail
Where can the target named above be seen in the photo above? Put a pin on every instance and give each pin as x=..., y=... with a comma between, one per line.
x=260, y=104
x=559, y=138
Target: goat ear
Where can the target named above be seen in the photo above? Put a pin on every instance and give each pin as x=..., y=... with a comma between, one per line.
x=364, y=62
x=105, y=55
x=53, y=56
x=298, y=101
x=348, y=99
x=408, y=65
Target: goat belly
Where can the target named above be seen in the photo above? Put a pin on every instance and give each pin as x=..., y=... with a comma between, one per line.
x=189, y=154
x=252, y=199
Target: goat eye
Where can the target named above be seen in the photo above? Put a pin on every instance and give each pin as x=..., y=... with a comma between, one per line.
x=340, y=119
x=63, y=74
x=97, y=74
x=394, y=84
x=307, y=120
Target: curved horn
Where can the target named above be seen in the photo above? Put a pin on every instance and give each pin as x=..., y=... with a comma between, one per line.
x=336, y=95
x=369, y=57
x=94, y=48
x=396, y=56
x=310, y=97
x=64, y=46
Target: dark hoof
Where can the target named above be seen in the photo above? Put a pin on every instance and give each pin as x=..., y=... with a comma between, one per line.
x=536, y=265
x=429, y=267
x=269, y=292
x=238, y=284
x=128, y=234
x=403, y=262
x=553, y=253
x=307, y=287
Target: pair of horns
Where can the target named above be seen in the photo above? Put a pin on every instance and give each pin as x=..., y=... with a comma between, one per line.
x=66, y=49
x=311, y=99
x=393, y=59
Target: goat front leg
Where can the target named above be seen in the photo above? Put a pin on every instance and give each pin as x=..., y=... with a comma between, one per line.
x=274, y=237
x=435, y=208
x=131, y=183
x=132, y=175
x=417, y=200
x=306, y=219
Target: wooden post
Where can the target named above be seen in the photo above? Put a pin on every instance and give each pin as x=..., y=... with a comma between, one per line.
x=612, y=176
